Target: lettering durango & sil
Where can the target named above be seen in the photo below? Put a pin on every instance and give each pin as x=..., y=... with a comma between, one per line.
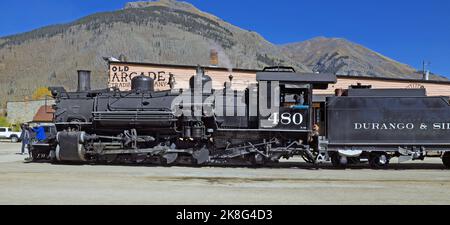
x=401, y=126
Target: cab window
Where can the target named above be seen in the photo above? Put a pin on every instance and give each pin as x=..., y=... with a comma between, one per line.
x=292, y=96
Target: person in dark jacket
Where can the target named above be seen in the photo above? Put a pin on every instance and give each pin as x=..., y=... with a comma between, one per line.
x=299, y=99
x=25, y=137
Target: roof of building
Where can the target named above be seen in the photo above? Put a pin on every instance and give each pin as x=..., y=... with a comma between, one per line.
x=214, y=68
x=394, y=79
x=44, y=114
x=320, y=81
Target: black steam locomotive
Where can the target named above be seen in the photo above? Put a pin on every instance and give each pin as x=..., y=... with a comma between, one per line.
x=270, y=120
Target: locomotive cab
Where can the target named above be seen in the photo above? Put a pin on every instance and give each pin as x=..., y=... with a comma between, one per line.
x=285, y=98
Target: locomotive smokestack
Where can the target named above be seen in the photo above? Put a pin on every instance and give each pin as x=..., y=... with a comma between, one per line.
x=84, y=80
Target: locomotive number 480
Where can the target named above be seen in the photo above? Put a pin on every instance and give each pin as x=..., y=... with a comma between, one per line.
x=286, y=118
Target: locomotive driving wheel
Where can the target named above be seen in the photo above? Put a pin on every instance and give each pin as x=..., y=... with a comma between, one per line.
x=338, y=161
x=446, y=159
x=378, y=160
x=257, y=160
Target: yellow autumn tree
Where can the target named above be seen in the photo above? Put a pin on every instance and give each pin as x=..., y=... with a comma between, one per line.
x=40, y=93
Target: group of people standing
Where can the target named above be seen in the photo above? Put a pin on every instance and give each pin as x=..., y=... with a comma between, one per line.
x=31, y=134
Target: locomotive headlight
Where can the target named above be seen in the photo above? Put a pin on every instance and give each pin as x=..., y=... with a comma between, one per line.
x=54, y=93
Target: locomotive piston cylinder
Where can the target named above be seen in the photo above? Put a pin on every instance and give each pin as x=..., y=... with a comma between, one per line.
x=197, y=132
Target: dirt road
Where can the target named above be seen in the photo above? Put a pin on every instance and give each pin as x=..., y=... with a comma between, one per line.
x=292, y=183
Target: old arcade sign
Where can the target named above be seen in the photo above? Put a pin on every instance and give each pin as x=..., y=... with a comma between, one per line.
x=120, y=75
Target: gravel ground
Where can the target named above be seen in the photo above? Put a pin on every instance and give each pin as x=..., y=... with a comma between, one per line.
x=291, y=183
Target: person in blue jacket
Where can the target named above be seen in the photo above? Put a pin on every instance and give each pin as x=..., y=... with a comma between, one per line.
x=40, y=133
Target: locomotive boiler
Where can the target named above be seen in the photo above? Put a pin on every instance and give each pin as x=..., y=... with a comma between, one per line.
x=271, y=119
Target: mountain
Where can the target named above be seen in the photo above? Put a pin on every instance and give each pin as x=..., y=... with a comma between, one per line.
x=167, y=32
x=339, y=56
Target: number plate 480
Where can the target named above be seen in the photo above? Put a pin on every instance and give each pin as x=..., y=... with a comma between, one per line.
x=286, y=118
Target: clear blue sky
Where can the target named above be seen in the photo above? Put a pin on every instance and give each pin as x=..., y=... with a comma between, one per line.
x=405, y=30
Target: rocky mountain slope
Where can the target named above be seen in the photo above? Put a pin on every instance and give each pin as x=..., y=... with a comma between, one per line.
x=162, y=32
x=339, y=56
x=159, y=32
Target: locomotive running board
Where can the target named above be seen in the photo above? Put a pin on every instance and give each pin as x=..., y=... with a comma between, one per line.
x=265, y=130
